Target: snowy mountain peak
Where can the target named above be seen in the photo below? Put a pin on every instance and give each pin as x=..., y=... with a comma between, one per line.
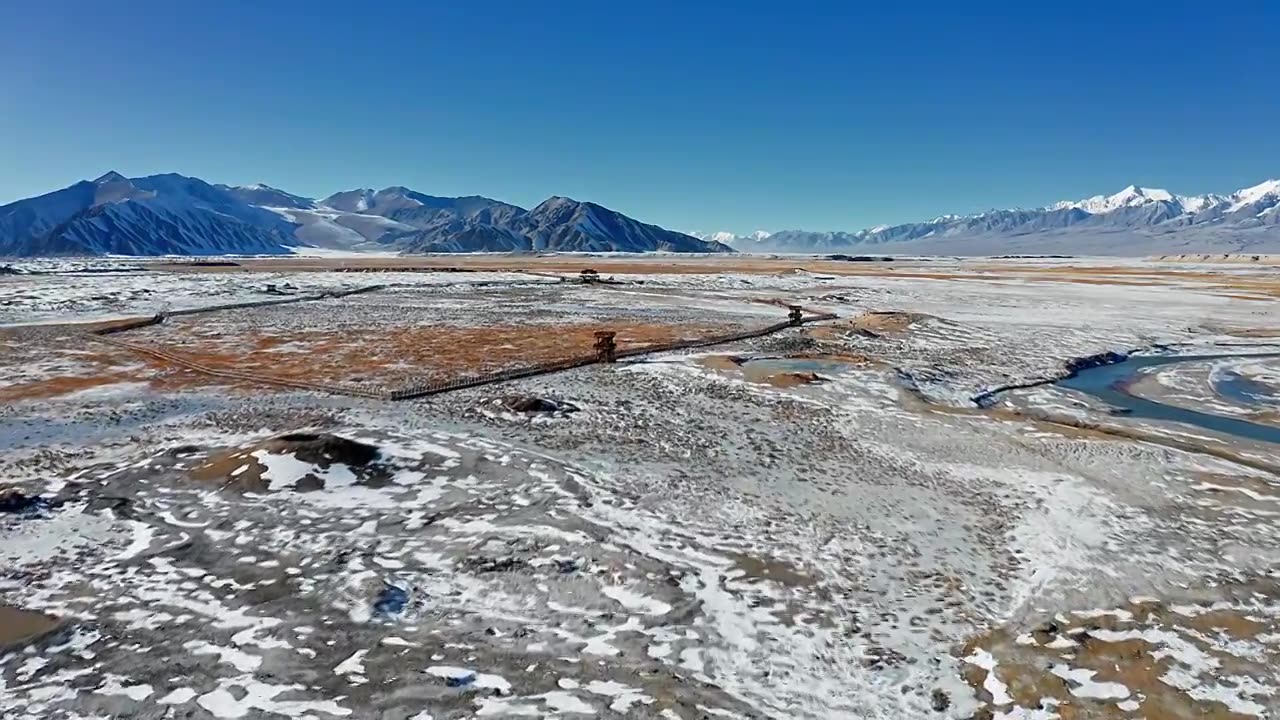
x=1133, y=192
x=729, y=238
x=1135, y=196
x=1131, y=196
x=556, y=203
x=109, y=177
x=358, y=200
x=720, y=237
x=1133, y=221
x=1255, y=194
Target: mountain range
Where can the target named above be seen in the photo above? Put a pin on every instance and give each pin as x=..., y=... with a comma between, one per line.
x=1134, y=221
x=177, y=215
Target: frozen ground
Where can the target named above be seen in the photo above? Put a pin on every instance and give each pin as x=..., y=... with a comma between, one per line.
x=84, y=297
x=833, y=532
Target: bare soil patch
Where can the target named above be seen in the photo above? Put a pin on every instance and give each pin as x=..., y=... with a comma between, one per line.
x=18, y=626
x=242, y=469
x=1135, y=647
x=392, y=357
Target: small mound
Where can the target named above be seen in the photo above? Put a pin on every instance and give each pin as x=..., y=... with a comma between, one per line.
x=323, y=448
x=535, y=405
x=299, y=461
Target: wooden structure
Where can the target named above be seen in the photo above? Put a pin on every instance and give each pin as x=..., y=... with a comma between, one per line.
x=606, y=349
x=796, y=316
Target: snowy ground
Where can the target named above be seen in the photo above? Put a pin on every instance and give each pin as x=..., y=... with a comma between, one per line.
x=706, y=536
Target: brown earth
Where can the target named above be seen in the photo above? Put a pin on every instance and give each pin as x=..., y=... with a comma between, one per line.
x=770, y=569
x=1136, y=663
x=18, y=627
x=787, y=379
x=771, y=376
x=977, y=269
x=392, y=357
x=103, y=366
x=238, y=468
x=886, y=322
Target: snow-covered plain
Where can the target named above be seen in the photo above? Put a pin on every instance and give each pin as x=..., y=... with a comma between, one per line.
x=711, y=534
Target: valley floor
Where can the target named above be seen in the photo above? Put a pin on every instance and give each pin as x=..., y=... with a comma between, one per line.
x=818, y=523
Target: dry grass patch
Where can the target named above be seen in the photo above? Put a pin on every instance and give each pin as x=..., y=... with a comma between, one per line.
x=1147, y=659
x=390, y=357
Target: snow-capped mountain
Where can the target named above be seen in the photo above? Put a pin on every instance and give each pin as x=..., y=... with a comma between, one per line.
x=267, y=196
x=1134, y=196
x=726, y=237
x=561, y=222
x=1134, y=221
x=173, y=214
x=720, y=237
x=156, y=215
x=478, y=224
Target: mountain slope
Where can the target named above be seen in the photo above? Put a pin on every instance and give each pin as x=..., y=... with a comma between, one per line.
x=151, y=229
x=480, y=224
x=266, y=196
x=565, y=224
x=155, y=215
x=173, y=214
x=1134, y=221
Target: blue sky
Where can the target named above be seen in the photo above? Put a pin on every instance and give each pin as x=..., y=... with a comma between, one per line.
x=695, y=116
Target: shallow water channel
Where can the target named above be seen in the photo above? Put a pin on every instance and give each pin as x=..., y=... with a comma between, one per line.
x=1109, y=384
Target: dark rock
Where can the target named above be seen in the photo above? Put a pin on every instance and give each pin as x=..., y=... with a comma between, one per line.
x=568, y=566
x=390, y=601
x=323, y=449
x=532, y=404
x=484, y=564
x=184, y=451
x=940, y=700
x=15, y=501
x=1075, y=365
x=460, y=680
x=308, y=483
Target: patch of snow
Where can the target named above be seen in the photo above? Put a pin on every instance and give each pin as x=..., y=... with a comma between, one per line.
x=1082, y=684
x=992, y=684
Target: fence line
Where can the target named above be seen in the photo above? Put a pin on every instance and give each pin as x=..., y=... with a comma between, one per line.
x=415, y=391
x=275, y=301
x=129, y=325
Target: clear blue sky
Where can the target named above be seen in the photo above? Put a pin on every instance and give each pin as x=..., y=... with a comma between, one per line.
x=692, y=115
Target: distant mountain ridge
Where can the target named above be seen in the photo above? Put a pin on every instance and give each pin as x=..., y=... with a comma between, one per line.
x=177, y=215
x=1134, y=221
x=173, y=214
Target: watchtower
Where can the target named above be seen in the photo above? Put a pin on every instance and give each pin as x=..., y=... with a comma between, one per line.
x=796, y=316
x=606, y=349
